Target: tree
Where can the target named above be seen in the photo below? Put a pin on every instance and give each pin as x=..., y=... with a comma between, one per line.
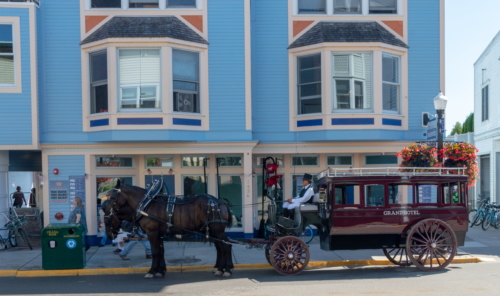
x=468, y=126
x=457, y=129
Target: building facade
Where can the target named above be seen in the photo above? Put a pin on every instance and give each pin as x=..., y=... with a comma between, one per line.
x=136, y=89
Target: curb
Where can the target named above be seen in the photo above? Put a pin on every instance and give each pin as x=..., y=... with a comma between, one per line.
x=137, y=270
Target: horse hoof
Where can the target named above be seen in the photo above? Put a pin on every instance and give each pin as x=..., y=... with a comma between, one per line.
x=149, y=276
x=227, y=274
x=214, y=270
x=159, y=275
x=218, y=273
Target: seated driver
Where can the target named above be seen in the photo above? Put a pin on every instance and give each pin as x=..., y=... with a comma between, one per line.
x=305, y=196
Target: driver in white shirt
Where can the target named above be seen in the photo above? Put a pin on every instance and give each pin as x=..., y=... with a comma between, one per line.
x=305, y=196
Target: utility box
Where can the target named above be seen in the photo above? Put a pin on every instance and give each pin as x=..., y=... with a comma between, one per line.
x=63, y=246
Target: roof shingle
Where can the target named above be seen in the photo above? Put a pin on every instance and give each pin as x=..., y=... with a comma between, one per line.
x=144, y=27
x=347, y=32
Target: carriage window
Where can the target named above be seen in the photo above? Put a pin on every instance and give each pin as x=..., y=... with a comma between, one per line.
x=400, y=194
x=374, y=195
x=450, y=193
x=347, y=194
x=427, y=193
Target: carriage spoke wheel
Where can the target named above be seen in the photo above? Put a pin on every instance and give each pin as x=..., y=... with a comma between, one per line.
x=431, y=244
x=398, y=256
x=289, y=255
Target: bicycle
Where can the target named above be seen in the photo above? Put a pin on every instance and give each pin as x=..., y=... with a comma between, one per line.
x=480, y=213
x=492, y=217
x=14, y=226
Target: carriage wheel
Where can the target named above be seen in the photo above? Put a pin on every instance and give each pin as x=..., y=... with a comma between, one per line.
x=267, y=251
x=431, y=244
x=398, y=256
x=290, y=255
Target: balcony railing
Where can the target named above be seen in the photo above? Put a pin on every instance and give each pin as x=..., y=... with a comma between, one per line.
x=37, y=2
x=391, y=171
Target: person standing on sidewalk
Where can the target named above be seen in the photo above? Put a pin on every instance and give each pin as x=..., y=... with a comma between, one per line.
x=78, y=216
x=18, y=197
x=132, y=244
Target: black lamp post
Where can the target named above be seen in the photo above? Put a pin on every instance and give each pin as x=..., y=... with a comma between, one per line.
x=440, y=104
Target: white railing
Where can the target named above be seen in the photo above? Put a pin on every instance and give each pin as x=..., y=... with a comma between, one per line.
x=391, y=171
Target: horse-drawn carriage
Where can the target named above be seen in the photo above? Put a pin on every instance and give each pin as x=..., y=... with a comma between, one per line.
x=415, y=215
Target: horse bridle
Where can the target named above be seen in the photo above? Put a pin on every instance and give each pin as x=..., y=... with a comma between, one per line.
x=112, y=213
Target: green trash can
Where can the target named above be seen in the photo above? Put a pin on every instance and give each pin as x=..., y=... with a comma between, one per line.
x=63, y=246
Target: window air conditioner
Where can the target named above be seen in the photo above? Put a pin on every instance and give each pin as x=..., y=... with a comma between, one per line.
x=185, y=102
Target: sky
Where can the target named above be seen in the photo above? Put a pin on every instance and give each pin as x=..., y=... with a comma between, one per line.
x=469, y=27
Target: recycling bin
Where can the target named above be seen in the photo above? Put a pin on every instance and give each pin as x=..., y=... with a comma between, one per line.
x=63, y=246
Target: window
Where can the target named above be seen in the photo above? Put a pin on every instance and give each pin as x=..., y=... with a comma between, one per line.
x=339, y=160
x=194, y=161
x=110, y=161
x=99, y=82
x=139, y=78
x=381, y=159
x=159, y=161
x=229, y=161
x=374, y=195
x=347, y=6
x=194, y=185
x=181, y=3
x=347, y=194
x=7, y=77
x=260, y=160
x=352, y=81
x=427, y=193
x=485, y=103
x=143, y=4
x=305, y=161
x=309, y=84
x=231, y=192
x=383, y=7
x=312, y=6
x=485, y=175
x=106, y=4
x=186, y=81
x=400, y=194
x=391, y=83
x=450, y=193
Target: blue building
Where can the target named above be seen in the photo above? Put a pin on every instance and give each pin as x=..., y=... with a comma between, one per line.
x=135, y=89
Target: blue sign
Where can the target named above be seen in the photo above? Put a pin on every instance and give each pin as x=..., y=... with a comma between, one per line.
x=432, y=130
x=71, y=243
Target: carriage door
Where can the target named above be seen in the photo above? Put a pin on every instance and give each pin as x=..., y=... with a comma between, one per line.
x=169, y=181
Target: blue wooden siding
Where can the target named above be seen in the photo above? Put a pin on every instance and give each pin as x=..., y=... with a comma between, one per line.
x=226, y=29
x=15, y=109
x=68, y=165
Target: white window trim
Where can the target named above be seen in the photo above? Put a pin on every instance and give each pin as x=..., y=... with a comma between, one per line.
x=365, y=8
x=482, y=102
x=162, y=5
x=160, y=167
x=398, y=102
x=305, y=166
x=339, y=165
x=379, y=165
x=16, y=50
x=118, y=167
x=195, y=167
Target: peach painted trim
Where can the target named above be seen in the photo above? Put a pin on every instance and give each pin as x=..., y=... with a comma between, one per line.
x=92, y=21
x=195, y=20
x=299, y=26
x=396, y=26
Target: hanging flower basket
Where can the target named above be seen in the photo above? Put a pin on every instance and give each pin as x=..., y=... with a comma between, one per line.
x=462, y=155
x=418, y=156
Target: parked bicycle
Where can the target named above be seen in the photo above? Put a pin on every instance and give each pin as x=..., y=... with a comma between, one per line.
x=492, y=217
x=480, y=213
x=15, y=230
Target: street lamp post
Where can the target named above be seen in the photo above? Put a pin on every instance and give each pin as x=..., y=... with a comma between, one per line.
x=440, y=104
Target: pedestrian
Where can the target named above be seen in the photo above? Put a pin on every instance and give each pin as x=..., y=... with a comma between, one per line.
x=125, y=228
x=132, y=244
x=18, y=197
x=33, y=198
x=78, y=216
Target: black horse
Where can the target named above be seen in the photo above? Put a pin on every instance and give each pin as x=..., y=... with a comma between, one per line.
x=203, y=214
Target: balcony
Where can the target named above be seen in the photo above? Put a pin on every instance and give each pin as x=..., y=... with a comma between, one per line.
x=37, y=2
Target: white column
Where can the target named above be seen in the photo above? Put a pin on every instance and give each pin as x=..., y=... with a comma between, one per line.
x=4, y=186
x=162, y=4
x=247, y=193
x=125, y=4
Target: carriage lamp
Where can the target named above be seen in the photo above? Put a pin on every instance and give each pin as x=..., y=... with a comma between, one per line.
x=440, y=102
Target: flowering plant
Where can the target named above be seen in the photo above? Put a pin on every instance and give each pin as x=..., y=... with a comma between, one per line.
x=418, y=155
x=462, y=155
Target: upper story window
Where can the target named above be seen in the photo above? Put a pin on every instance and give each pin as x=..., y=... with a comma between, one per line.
x=186, y=73
x=383, y=6
x=309, y=84
x=391, y=83
x=106, y=3
x=485, y=103
x=7, y=76
x=139, y=71
x=312, y=6
x=99, y=82
x=143, y=4
x=347, y=7
x=181, y=3
x=352, y=81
